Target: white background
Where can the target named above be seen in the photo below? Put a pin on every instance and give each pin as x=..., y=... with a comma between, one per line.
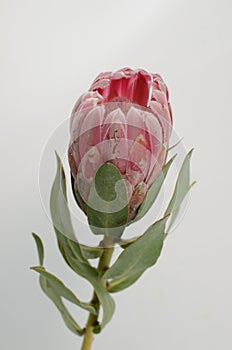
x=50, y=53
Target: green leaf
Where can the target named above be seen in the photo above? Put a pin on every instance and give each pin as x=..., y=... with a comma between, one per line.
x=40, y=248
x=136, y=258
x=91, y=252
x=181, y=189
x=61, y=216
x=108, y=193
x=56, y=299
x=55, y=289
x=71, y=250
x=119, y=285
x=153, y=191
x=124, y=243
x=60, y=289
x=79, y=200
x=105, y=299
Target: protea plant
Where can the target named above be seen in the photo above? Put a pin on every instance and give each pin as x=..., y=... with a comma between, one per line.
x=120, y=131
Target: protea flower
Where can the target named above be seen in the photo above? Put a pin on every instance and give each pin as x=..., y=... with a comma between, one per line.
x=124, y=119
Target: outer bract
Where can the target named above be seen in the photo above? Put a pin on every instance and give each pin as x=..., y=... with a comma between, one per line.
x=124, y=119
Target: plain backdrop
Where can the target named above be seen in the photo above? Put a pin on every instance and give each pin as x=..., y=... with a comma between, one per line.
x=50, y=53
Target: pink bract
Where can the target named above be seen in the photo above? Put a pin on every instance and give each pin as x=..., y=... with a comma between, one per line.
x=125, y=119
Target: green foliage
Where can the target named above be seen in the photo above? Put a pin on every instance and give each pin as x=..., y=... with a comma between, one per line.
x=58, y=286
x=55, y=290
x=70, y=247
x=107, y=208
x=56, y=299
x=182, y=187
x=153, y=191
x=40, y=248
x=143, y=252
x=107, y=211
x=91, y=252
x=137, y=258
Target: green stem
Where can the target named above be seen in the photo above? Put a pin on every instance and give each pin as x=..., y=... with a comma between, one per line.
x=103, y=265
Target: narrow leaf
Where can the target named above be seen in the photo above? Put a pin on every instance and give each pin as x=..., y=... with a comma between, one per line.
x=60, y=213
x=154, y=191
x=91, y=252
x=58, y=286
x=56, y=299
x=137, y=257
x=119, y=285
x=49, y=289
x=124, y=243
x=40, y=248
x=104, y=297
x=71, y=250
x=181, y=189
x=107, y=202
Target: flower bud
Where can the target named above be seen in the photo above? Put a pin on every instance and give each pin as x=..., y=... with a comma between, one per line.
x=124, y=119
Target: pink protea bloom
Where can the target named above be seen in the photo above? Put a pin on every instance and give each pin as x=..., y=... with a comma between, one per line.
x=124, y=119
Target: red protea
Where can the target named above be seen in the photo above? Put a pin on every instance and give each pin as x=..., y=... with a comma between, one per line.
x=124, y=119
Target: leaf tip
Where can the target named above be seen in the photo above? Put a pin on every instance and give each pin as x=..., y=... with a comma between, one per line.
x=35, y=236
x=173, y=157
x=165, y=217
x=33, y=268
x=40, y=247
x=193, y=184
x=190, y=153
x=57, y=157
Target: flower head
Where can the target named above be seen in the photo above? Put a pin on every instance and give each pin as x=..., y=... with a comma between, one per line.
x=124, y=119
